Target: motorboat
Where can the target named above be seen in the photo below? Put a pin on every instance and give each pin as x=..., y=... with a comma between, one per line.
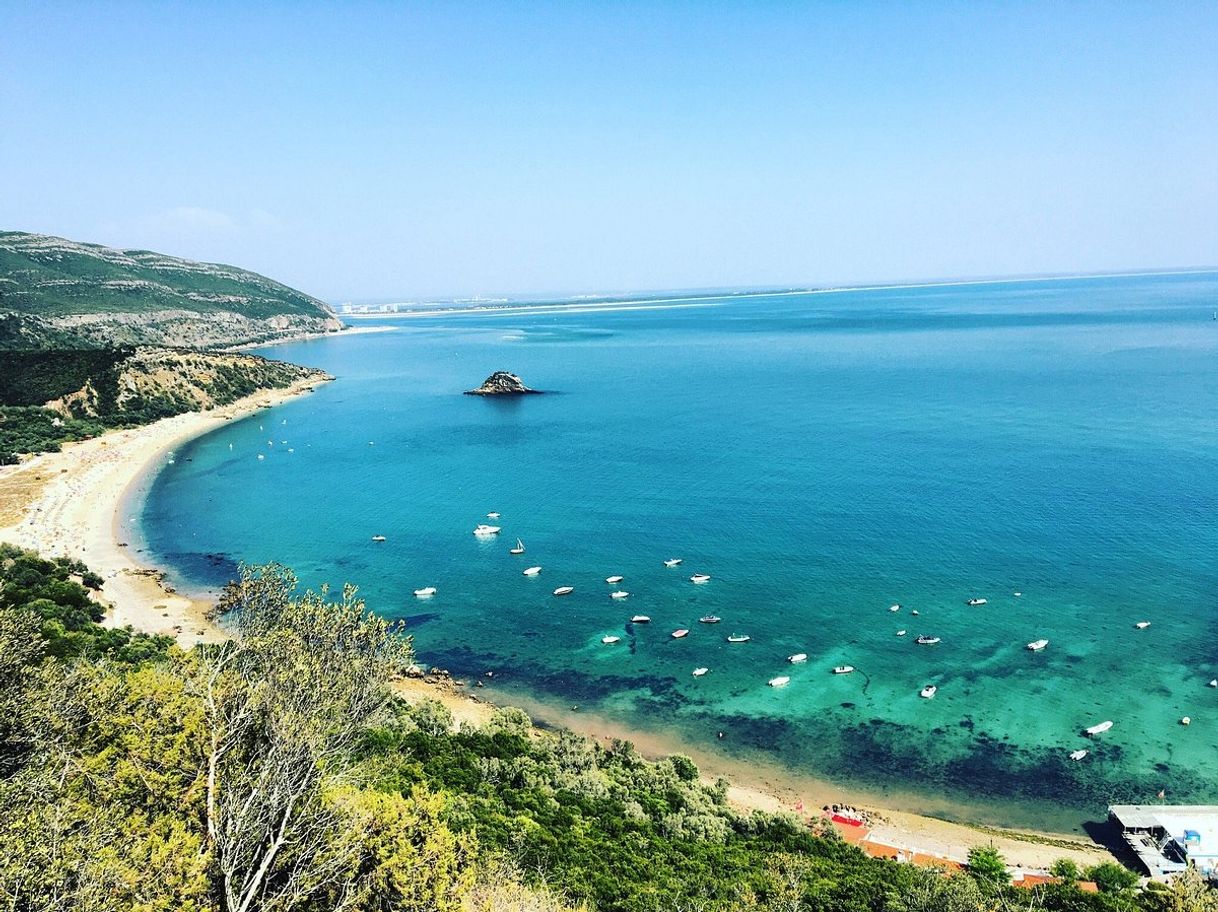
x=672, y=562
x=614, y=580
x=700, y=578
x=928, y=691
x=531, y=571
x=927, y=640
x=640, y=619
x=1099, y=729
x=484, y=529
x=699, y=672
x=798, y=658
x=519, y=549
x=976, y=601
x=709, y=619
x=780, y=681
x=679, y=633
x=492, y=515
x=843, y=669
x=619, y=594
x=894, y=607
x=914, y=612
x=260, y=456
x=1142, y=625
x=425, y=592
x=1017, y=594
x=902, y=633
x=564, y=590
x=610, y=640
x=378, y=538
x=1038, y=645
x=1079, y=754
x=1214, y=683
x=738, y=638
x=1186, y=721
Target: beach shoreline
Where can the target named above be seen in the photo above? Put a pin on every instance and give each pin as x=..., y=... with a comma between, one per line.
x=308, y=337
x=70, y=504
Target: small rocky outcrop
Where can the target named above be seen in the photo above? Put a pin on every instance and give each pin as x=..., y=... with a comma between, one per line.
x=501, y=383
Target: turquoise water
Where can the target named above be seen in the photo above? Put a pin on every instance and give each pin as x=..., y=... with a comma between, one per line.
x=823, y=456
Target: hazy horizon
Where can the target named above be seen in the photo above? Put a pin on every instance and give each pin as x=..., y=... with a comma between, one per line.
x=373, y=151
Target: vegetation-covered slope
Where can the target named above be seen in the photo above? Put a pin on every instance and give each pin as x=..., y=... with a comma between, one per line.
x=48, y=397
x=52, y=288
x=277, y=772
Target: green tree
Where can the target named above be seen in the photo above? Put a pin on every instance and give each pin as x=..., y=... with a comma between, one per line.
x=1066, y=869
x=1111, y=877
x=986, y=865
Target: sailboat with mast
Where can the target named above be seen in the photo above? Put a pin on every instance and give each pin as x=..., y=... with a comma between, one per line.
x=519, y=549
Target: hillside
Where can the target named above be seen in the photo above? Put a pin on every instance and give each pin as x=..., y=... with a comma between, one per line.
x=55, y=291
x=49, y=397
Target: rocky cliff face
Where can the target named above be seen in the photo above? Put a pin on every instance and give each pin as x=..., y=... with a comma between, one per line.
x=52, y=289
x=501, y=383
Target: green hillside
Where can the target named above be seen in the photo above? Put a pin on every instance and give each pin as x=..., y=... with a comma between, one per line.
x=51, y=287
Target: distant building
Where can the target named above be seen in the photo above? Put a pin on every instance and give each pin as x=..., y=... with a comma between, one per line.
x=1167, y=838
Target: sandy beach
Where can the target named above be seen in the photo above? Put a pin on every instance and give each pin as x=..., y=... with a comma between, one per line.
x=67, y=503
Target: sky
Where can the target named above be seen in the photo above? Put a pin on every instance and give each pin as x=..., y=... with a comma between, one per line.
x=395, y=150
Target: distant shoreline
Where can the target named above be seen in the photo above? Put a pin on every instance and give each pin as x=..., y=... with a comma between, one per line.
x=591, y=304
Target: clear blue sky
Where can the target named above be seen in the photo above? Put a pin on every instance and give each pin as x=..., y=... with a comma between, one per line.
x=390, y=149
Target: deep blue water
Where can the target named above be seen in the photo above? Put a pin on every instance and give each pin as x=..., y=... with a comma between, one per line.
x=823, y=456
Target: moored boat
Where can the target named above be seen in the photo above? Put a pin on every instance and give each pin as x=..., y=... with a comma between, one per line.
x=609, y=640
x=564, y=590
x=1098, y=729
x=739, y=638
x=1186, y=721
x=709, y=619
x=378, y=538
x=894, y=607
x=1079, y=754
x=902, y=633
x=531, y=571
x=928, y=691
x=699, y=578
x=1038, y=645
x=798, y=658
x=780, y=681
x=672, y=562
x=484, y=529
x=1142, y=625
x=614, y=580
x=927, y=640
x=843, y=669
x=519, y=549
x=425, y=592
x=619, y=594
x=699, y=672
x=492, y=515
x=680, y=633
x=640, y=619
x=977, y=601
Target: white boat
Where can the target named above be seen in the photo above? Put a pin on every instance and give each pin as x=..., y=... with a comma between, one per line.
x=902, y=633
x=1186, y=721
x=679, y=633
x=378, y=538
x=843, y=669
x=260, y=456
x=610, y=640
x=640, y=619
x=614, y=580
x=709, y=619
x=1079, y=754
x=1038, y=645
x=928, y=691
x=894, y=607
x=672, y=562
x=699, y=578
x=619, y=594
x=977, y=601
x=798, y=658
x=1099, y=729
x=927, y=641
x=1142, y=625
x=426, y=592
x=699, y=672
x=564, y=590
x=1214, y=683
x=780, y=681
x=531, y=571
x=914, y=612
x=519, y=549
x=484, y=529
x=1017, y=594
x=492, y=515
x=738, y=638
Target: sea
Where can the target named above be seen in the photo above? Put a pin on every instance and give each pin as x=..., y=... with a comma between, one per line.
x=1049, y=446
